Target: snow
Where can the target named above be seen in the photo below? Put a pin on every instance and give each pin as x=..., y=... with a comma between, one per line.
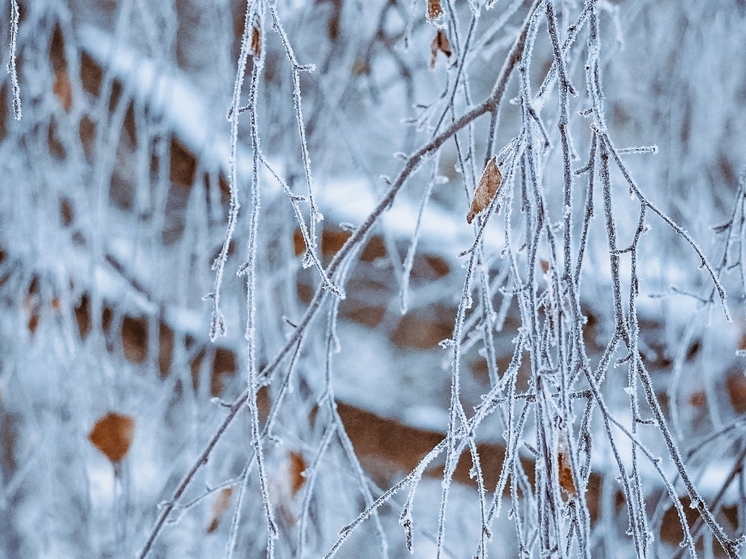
x=683, y=95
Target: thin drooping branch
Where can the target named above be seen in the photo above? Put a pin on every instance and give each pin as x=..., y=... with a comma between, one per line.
x=311, y=246
x=354, y=242
x=15, y=16
x=217, y=325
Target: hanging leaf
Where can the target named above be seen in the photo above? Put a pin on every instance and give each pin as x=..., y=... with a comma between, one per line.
x=256, y=39
x=31, y=306
x=565, y=468
x=434, y=10
x=112, y=435
x=63, y=90
x=487, y=189
x=219, y=507
x=735, y=385
x=440, y=43
x=297, y=471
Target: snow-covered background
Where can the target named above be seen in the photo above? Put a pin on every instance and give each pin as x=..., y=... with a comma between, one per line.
x=196, y=363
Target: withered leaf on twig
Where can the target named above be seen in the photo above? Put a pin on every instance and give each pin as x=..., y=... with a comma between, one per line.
x=297, y=471
x=440, y=43
x=565, y=468
x=434, y=10
x=112, y=435
x=486, y=190
x=256, y=39
x=219, y=507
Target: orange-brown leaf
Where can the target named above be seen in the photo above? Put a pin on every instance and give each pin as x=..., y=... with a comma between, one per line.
x=698, y=399
x=434, y=10
x=256, y=39
x=62, y=90
x=33, y=322
x=297, y=468
x=219, y=507
x=112, y=435
x=735, y=384
x=565, y=468
x=440, y=43
x=31, y=306
x=486, y=190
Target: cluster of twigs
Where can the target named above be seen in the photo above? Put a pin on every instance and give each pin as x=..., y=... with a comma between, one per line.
x=542, y=269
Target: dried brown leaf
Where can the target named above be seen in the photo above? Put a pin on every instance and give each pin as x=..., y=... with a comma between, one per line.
x=32, y=307
x=360, y=68
x=440, y=43
x=434, y=10
x=297, y=469
x=63, y=90
x=565, y=468
x=735, y=384
x=256, y=39
x=488, y=187
x=221, y=504
x=698, y=399
x=112, y=435
x=33, y=322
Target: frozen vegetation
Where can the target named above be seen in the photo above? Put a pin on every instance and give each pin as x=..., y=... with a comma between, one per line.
x=365, y=278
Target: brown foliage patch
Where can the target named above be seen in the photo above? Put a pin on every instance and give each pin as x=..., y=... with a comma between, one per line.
x=112, y=435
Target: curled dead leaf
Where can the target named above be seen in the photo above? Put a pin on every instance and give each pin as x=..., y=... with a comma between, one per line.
x=112, y=435
x=487, y=189
x=440, y=43
x=434, y=10
x=297, y=470
x=221, y=504
x=256, y=39
x=564, y=467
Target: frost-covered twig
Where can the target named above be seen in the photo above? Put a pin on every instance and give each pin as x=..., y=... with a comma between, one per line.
x=310, y=474
x=15, y=15
x=217, y=325
x=409, y=259
x=298, y=106
x=736, y=470
x=230, y=544
x=704, y=262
